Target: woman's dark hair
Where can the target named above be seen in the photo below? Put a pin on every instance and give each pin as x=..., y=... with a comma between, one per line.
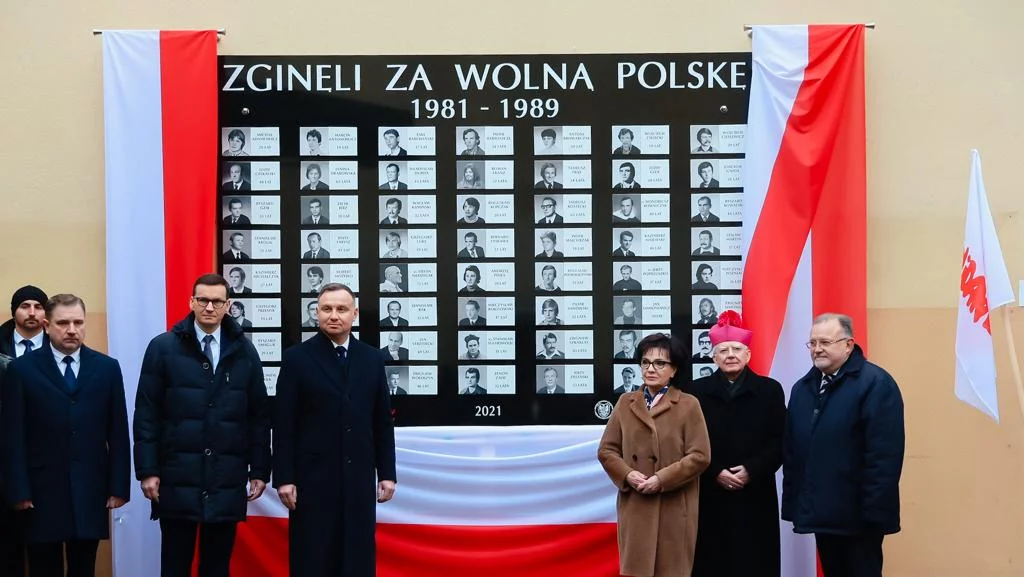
x=678, y=353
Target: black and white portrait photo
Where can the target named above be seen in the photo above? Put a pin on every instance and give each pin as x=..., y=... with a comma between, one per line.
x=391, y=144
x=627, y=281
x=472, y=248
x=625, y=344
x=549, y=313
x=314, y=139
x=548, y=173
x=472, y=382
x=392, y=278
x=547, y=209
x=392, y=216
x=704, y=174
x=628, y=208
x=471, y=347
x=314, y=176
x=472, y=211
x=472, y=312
x=471, y=143
x=472, y=279
x=310, y=320
x=314, y=277
x=703, y=242
x=702, y=352
x=470, y=175
x=547, y=140
x=547, y=278
x=550, y=381
x=314, y=211
x=549, y=246
x=393, y=315
x=236, y=210
x=625, y=144
x=548, y=347
x=626, y=310
x=702, y=211
x=625, y=176
x=393, y=349
x=705, y=312
x=236, y=139
x=625, y=243
x=704, y=140
x=393, y=177
x=397, y=377
x=236, y=278
x=628, y=379
x=236, y=176
x=236, y=247
x=315, y=241
x=705, y=277
x=392, y=241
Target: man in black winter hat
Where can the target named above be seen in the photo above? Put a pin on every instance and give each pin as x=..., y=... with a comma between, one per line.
x=24, y=332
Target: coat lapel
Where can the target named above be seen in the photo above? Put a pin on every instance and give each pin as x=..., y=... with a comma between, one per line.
x=323, y=353
x=87, y=370
x=48, y=366
x=670, y=398
x=639, y=408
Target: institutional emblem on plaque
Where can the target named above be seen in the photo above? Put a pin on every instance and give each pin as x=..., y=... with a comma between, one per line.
x=603, y=410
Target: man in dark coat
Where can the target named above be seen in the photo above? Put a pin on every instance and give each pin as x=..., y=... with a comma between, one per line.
x=843, y=453
x=738, y=526
x=64, y=440
x=202, y=431
x=334, y=444
x=22, y=333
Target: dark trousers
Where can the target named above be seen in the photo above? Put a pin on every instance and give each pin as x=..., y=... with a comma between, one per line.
x=12, y=552
x=178, y=545
x=47, y=559
x=850, y=555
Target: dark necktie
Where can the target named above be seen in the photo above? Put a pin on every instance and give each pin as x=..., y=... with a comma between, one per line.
x=69, y=375
x=28, y=346
x=234, y=219
x=342, y=356
x=549, y=186
x=826, y=380
x=238, y=186
x=207, y=349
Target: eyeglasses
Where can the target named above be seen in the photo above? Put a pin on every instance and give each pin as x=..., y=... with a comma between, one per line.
x=813, y=344
x=204, y=302
x=658, y=364
x=547, y=205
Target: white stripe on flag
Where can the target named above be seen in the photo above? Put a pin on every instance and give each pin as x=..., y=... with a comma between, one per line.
x=779, y=61
x=494, y=476
x=135, y=248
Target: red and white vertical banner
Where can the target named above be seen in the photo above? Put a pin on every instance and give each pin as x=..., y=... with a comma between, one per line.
x=805, y=203
x=160, y=137
x=984, y=286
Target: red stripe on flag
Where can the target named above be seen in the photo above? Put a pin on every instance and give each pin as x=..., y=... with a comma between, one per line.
x=188, y=85
x=586, y=550
x=805, y=169
x=839, y=234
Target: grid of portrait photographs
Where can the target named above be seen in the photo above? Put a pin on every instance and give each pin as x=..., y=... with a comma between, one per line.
x=509, y=248
x=250, y=237
x=716, y=215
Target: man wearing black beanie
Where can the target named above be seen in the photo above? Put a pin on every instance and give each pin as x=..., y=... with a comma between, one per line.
x=24, y=332
x=26, y=326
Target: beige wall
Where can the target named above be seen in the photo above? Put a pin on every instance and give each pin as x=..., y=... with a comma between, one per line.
x=942, y=78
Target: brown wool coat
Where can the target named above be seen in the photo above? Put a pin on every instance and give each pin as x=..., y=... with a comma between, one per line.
x=657, y=533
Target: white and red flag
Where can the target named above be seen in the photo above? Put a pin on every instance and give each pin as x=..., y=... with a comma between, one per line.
x=160, y=137
x=805, y=204
x=984, y=286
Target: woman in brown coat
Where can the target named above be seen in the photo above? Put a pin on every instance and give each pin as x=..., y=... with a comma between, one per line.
x=654, y=448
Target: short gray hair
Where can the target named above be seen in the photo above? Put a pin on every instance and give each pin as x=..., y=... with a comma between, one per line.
x=845, y=322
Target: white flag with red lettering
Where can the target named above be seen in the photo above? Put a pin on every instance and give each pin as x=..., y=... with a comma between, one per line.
x=984, y=287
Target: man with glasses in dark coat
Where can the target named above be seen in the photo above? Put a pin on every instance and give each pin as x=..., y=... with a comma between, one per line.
x=202, y=432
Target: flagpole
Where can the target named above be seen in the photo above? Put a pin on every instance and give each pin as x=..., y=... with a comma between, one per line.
x=1014, y=364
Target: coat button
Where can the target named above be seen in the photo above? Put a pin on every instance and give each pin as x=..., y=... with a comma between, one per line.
x=207, y=452
x=653, y=458
x=348, y=429
x=210, y=404
x=206, y=366
x=634, y=457
x=205, y=494
x=349, y=461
